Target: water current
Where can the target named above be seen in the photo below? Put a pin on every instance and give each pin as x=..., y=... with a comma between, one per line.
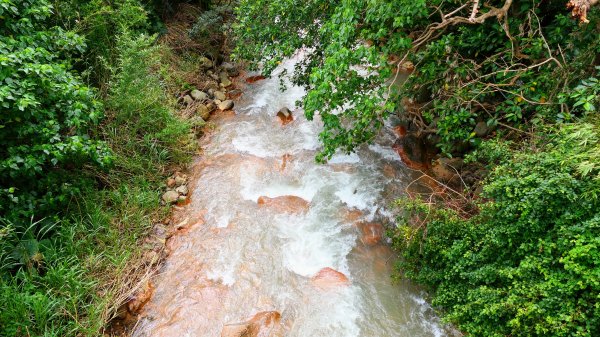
x=239, y=257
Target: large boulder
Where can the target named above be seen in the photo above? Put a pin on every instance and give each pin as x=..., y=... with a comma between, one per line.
x=285, y=204
x=328, y=278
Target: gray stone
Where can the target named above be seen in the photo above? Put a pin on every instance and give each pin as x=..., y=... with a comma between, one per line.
x=183, y=189
x=211, y=106
x=170, y=197
x=199, y=95
x=231, y=69
x=181, y=198
x=187, y=99
x=226, y=105
x=482, y=129
x=203, y=112
x=205, y=62
x=225, y=81
x=220, y=96
x=180, y=180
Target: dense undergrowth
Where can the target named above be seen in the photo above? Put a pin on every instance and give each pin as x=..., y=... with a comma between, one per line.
x=528, y=264
x=88, y=134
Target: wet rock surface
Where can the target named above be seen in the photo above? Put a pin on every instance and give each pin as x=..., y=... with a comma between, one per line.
x=328, y=278
x=285, y=116
x=286, y=203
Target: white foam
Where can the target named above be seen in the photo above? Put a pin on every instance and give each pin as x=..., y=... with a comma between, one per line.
x=386, y=153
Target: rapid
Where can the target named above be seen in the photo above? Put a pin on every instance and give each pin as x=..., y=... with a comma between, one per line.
x=238, y=257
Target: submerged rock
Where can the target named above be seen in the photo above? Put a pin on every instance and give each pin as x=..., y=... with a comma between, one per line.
x=372, y=233
x=263, y=324
x=285, y=116
x=285, y=204
x=329, y=278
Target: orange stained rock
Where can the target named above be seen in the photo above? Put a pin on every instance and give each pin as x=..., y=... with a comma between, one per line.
x=352, y=215
x=263, y=324
x=285, y=120
x=141, y=298
x=372, y=233
x=252, y=79
x=328, y=278
x=285, y=204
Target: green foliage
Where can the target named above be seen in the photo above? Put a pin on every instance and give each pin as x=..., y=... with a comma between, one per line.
x=528, y=264
x=77, y=191
x=507, y=71
x=141, y=127
x=101, y=23
x=46, y=113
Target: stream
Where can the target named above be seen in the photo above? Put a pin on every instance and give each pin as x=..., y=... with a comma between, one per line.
x=237, y=257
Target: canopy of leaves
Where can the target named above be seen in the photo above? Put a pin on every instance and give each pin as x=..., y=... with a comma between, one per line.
x=45, y=112
x=504, y=62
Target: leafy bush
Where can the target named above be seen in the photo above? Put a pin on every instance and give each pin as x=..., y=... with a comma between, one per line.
x=58, y=269
x=46, y=114
x=505, y=63
x=101, y=23
x=528, y=264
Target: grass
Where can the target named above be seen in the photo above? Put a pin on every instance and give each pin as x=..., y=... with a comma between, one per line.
x=92, y=262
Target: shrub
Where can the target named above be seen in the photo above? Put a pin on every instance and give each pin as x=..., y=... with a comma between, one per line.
x=529, y=263
x=46, y=114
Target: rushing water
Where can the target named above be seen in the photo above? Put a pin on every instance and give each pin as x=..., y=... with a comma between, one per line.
x=238, y=258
